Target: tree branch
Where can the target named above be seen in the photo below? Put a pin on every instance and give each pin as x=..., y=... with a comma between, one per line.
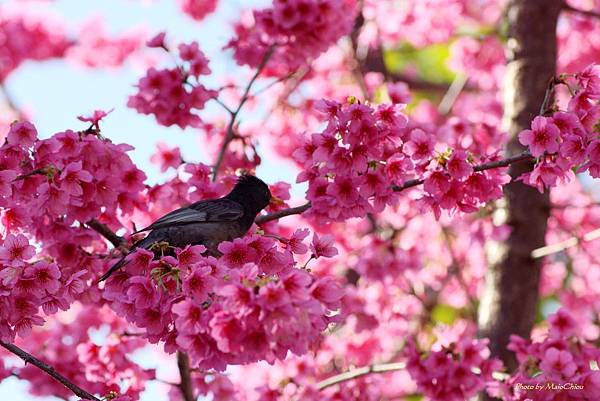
x=398, y=188
x=365, y=370
x=455, y=267
x=106, y=232
x=28, y=358
x=586, y=13
x=453, y=92
x=481, y=167
x=234, y=114
x=183, y=363
x=282, y=213
x=566, y=244
x=511, y=293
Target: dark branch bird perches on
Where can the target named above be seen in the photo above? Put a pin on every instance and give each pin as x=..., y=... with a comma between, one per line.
x=207, y=222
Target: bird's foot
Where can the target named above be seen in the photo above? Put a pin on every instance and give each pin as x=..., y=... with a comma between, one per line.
x=160, y=246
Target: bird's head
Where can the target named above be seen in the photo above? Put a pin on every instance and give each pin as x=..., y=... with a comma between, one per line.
x=252, y=190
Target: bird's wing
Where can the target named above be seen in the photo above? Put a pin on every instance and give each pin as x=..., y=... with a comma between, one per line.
x=213, y=210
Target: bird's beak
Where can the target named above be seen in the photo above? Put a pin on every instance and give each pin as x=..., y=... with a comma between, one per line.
x=276, y=201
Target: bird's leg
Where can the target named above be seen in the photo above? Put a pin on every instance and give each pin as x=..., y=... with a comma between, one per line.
x=166, y=270
x=160, y=246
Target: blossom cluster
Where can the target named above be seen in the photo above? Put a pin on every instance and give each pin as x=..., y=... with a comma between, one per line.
x=173, y=95
x=27, y=288
x=250, y=304
x=420, y=26
x=568, y=140
x=71, y=176
x=71, y=343
x=449, y=374
x=95, y=48
x=559, y=359
x=48, y=191
x=300, y=30
x=25, y=36
x=352, y=164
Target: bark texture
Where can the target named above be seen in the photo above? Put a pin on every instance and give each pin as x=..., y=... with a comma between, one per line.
x=509, y=302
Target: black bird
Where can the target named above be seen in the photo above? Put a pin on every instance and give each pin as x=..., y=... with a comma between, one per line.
x=207, y=222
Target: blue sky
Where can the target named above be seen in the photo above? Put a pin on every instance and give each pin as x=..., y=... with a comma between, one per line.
x=56, y=92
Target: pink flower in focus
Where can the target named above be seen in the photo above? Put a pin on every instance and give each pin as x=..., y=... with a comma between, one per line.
x=199, y=283
x=458, y=166
x=420, y=146
x=16, y=248
x=295, y=243
x=544, y=175
x=558, y=364
x=73, y=177
x=236, y=253
x=45, y=275
x=344, y=189
x=142, y=292
x=542, y=137
x=227, y=331
x=190, y=316
x=22, y=134
x=573, y=148
x=323, y=247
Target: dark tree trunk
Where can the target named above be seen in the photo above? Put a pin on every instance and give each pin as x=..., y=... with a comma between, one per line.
x=510, y=299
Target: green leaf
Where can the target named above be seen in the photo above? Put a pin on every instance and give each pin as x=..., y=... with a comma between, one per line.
x=430, y=61
x=444, y=314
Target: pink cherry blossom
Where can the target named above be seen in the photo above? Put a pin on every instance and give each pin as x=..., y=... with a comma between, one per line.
x=198, y=9
x=22, y=134
x=323, y=247
x=420, y=146
x=542, y=137
x=166, y=157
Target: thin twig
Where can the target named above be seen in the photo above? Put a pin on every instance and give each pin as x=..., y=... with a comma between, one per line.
x=282, y=213
x=245, y=96
x=447, y=102
x=183, y=363
x=275, y=82
x=398, y=188
x=10, y=101
x=572, y=206
x=587, y=13
x=546, y=108
x=220, y=102
x=28, y=358
x=566, y=244
x=455, y=267
x=106, y=232
x=365, y=370
x=481, y=167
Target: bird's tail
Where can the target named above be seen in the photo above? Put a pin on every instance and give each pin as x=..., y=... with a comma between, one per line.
x=113, y=269
x=145, y=243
